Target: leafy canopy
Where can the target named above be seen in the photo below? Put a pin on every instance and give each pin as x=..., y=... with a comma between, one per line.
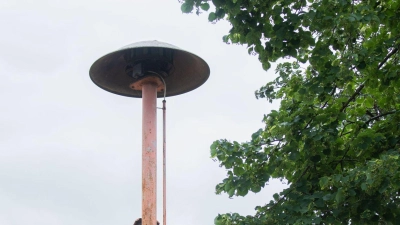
x=335, y=138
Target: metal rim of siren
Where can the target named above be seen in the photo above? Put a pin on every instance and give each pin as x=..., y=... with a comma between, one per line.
x=119, y=71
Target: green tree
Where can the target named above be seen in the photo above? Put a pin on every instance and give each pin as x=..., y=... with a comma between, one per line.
x=335, y=138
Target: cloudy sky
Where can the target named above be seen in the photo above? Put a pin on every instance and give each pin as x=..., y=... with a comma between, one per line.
x=70, y=153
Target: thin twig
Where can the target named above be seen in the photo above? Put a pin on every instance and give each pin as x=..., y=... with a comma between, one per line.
x=345, y=133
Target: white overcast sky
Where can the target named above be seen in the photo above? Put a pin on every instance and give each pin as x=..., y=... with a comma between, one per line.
x=70, y=153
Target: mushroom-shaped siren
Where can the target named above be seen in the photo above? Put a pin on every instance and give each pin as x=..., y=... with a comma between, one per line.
x=120, y=71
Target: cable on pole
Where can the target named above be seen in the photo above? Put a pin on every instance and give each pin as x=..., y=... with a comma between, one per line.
x=164, y=108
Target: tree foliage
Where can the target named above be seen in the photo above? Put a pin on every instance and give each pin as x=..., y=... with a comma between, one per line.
x=335, y=138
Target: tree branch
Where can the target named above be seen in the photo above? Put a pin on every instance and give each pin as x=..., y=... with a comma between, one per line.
x=357, y=92
x=307, y=124
x=373, y=118
x=345, y=153
x=344, y=160
x=387, y=57
x=378, y=116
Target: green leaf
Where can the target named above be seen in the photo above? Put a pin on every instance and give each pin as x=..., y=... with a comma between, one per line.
x=339, y=195
x=327, y=197
x=315, y=158
x=205, y=6
x=238, y=170
x=323, y=182
x=213, y=149
x=218, y=221
x=384, y=186
x=293, y=156
x=327, y=151
x=187, y=7
x=212, y=16
x=256, y=134
x=242, y=191
x=276, y=197
x=361, y=65
x=364, y=186
x=231, y=192
x=369, y=102
x=266, y=65
x=319, y=203
x=256, y=189
x=227, y=186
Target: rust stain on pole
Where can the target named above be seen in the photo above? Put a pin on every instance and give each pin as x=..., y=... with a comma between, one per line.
x=149, y=153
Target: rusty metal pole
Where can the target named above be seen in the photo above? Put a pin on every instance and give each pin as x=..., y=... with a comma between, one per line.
x=164, y=164
x=149, y=153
